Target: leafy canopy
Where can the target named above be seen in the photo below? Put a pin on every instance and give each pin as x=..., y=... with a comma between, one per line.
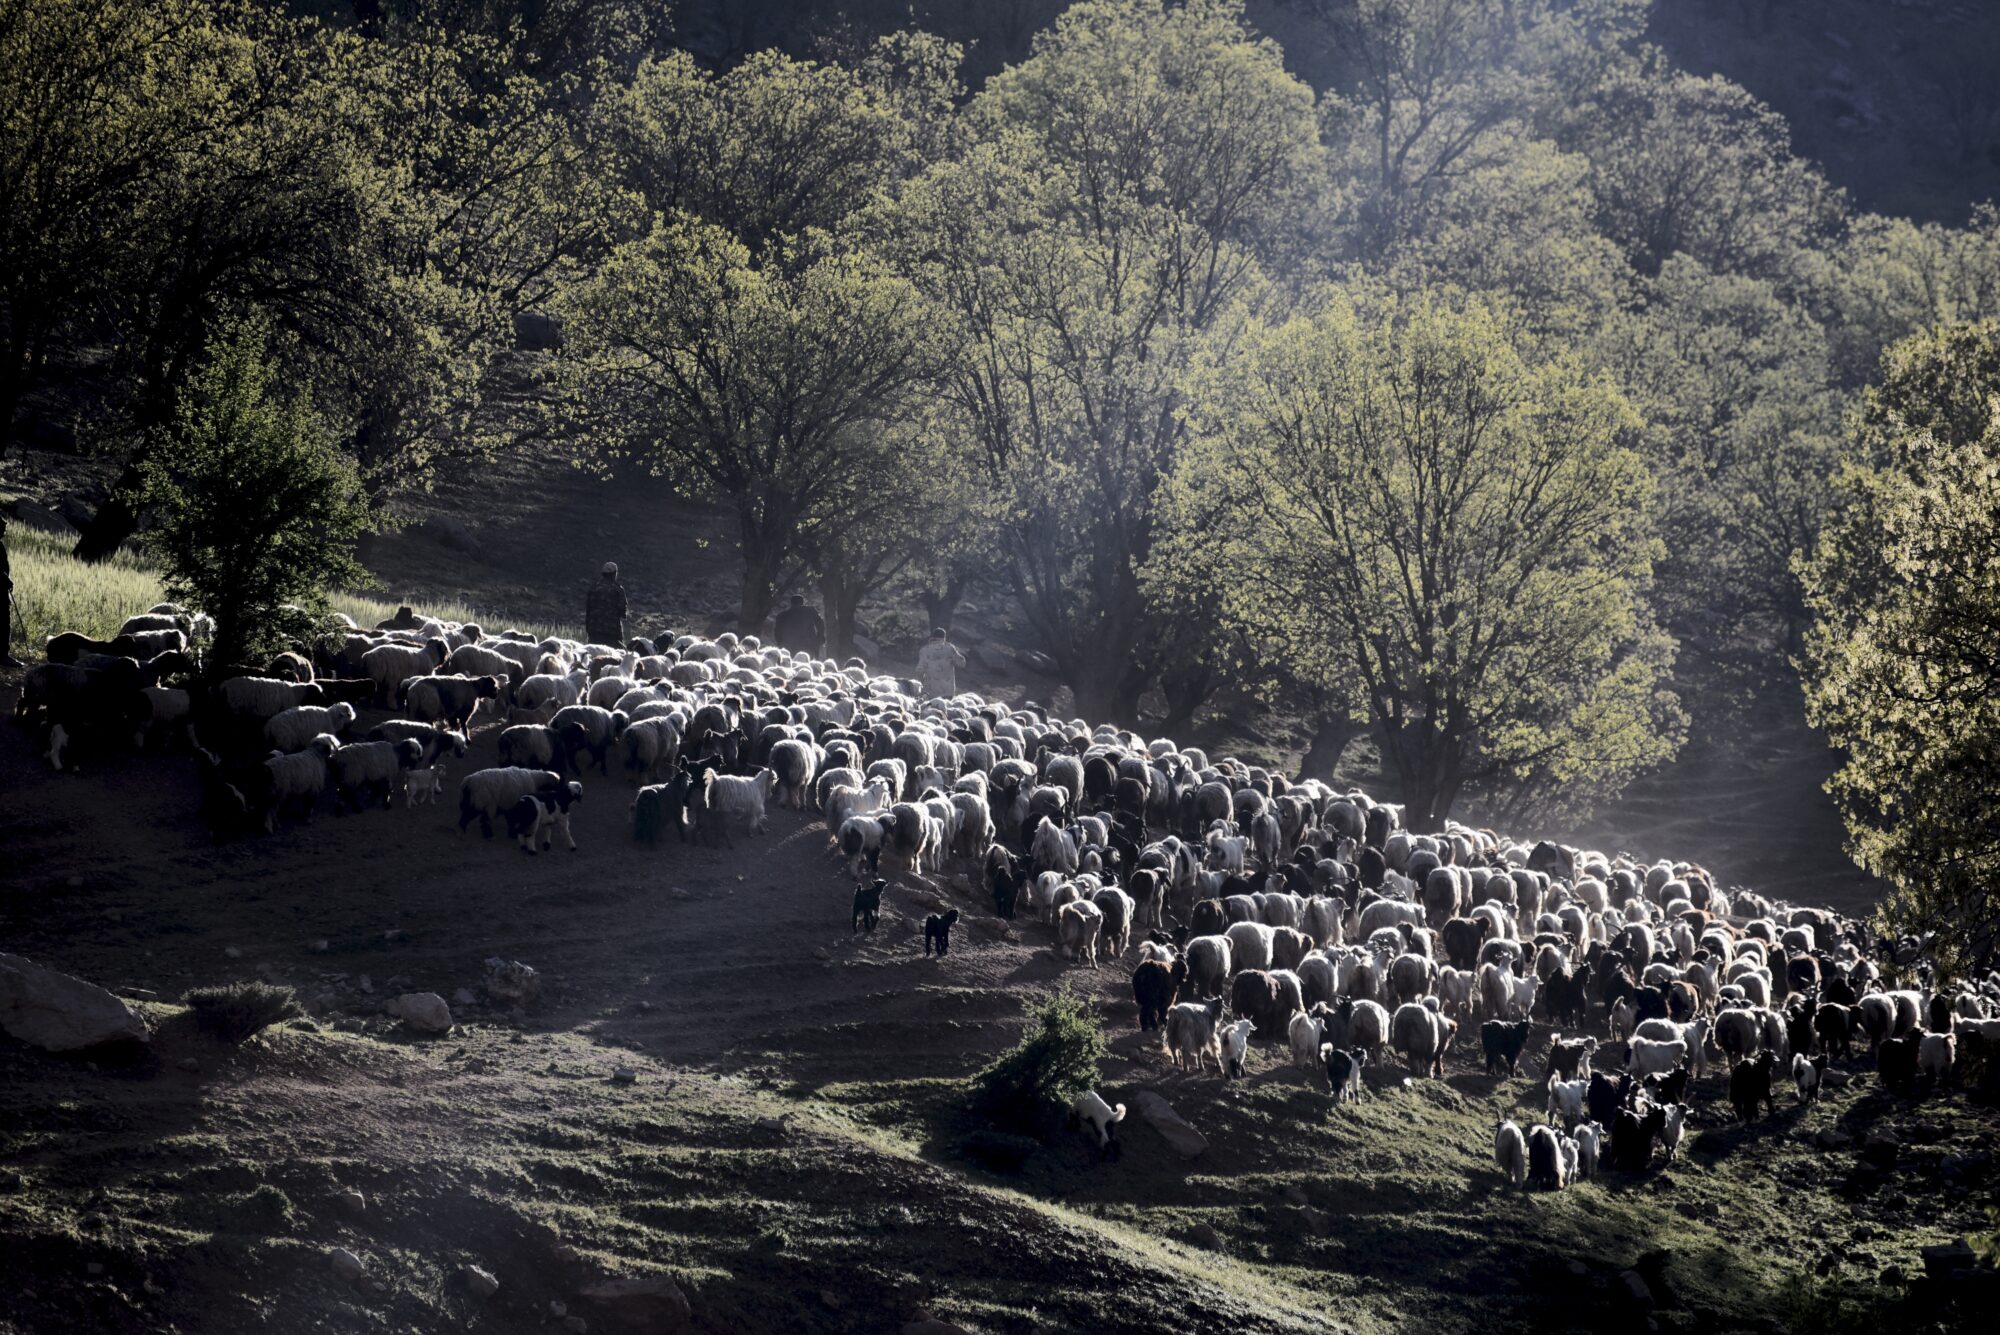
x=1903, y=658
x=256, y=510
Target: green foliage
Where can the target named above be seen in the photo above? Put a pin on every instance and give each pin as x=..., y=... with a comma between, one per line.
x=1904, y=585
x=265, y=1210
x=55, y=592
x=1028, y=1087
x=1399, y=505
x=255, y=511
x=235, y=1012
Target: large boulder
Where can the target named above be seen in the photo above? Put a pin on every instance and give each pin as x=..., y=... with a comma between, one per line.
x=1173, y=1128
x=512, y=982
x=425, y=1012
x=59, y=1013
x=653, y=1305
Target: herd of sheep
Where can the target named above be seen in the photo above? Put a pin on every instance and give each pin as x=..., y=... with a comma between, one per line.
x=1255, y=907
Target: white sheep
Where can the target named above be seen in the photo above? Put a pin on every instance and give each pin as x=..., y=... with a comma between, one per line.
x=390, y=665
x=1510, y=1151
x=1191, y=1031
x=1304, y=1036
x=1235, y=1047
x=423, y=785
x=264, y=697
x=793, y=762
x=1250, y=945
x=300, y=776
x=741, y=797
x=363, y=765
x=1935, y=1054
x=1090, y=1109
x=1649, y=1056
x=1567, y=1100
x=293, y=728
x=1589, y=1148
x=1077, y=927
x=489, y=793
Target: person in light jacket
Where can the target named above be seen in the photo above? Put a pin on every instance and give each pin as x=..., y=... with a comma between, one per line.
x=937, y=666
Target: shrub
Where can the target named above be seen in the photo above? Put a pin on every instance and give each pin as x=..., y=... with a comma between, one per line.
x=265, y=1210
x=235, y=1011
x=1029, y=1088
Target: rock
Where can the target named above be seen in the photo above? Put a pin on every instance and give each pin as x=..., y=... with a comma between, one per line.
x=365, y=983
x=575, y=1325
x=653, y=1305
x=512, y=982
x=479, y=1283
x=1204, y=1235
x=822, y=953
x=464, y=997
x=623, y=1075
x=1294, y=1195
x=424, y=1012
x=41, y=517
x=351, y=1201
x=1881, y=1148
x=320, y=947
x=831, y=1301
x=58, y=1013
x=1950, y=1256
x=11, y=1181
x=1831, y=1139
x=1836, y=1079
x=1893, y=1275
x=679, y=892
x=1036, y=661
x=1579, y=1269
x=773, y=1125
x=346, y=1265
x=1173, y=1128
x=188, y=1064
x=233, y=952
x=1635, y=1287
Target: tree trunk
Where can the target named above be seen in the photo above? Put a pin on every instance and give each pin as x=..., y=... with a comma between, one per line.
x=1330, y=736
x=1416, y=753
x=942, y=605
x=114, y=521
x=1186, y=689
x=840, y=603
x=1107, y=690
x=763, y=560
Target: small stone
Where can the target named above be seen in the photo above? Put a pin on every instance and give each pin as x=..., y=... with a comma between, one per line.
x=831, y=1300
x=1204, y=1235
x=94, y=1268
x=1185, y=1140
x=557, y=1308
x=575, y=1325
x=623, y=1075
x=1579, y=1269
x=1311, y=1220
x=1893, y=1275
x=233, y=952
x=188, y=1064
x=647, y=1008
x=1830, y=1139
x=511, y=982
x=1881, y=1148
x=1294, y=1195
x=1636, y=1288
x=479, y=1283
x=351, y=1201
x=678, y=893
x=320, y=947
x=822, y=953
x=365, y=983
x=773, y=1125
x=11, y=1181
x=346, y=1265
x=1835, y=1079
x=1950, y=1256
x=394, y=934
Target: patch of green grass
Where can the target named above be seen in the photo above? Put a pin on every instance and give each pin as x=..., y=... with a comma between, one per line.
x=55, y=592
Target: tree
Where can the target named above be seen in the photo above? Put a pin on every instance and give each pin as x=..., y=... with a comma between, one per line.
x=1432, y=91
x=1742, y=423
x=1902, y=663
x=256, y=510
x=1411, y=512
x=766, y=387
x=1107, y=218
x=1697, y=166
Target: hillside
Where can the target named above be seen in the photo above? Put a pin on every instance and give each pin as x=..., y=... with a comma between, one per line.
x=791, y=1147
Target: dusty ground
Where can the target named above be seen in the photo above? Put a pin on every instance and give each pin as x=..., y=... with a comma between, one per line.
x=790, y=1151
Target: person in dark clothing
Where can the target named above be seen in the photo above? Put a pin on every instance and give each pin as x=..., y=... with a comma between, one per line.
x=7, y=658
x=799, y=627
x=604, y=609
x=405, y=619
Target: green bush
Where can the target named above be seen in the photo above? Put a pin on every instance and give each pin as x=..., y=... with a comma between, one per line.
x=1029, y=1087
x=265, y=1210
x=235, y=1011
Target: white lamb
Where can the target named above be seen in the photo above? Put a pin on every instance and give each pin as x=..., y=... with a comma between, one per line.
x=1510, y=1151
x=1235, y=1047
x=1304, y=1037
